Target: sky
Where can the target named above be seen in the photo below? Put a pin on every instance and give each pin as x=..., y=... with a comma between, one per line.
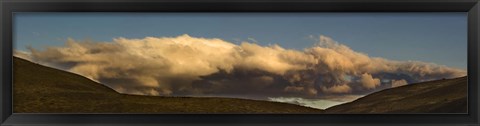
x=430, y=37
x=311, y=59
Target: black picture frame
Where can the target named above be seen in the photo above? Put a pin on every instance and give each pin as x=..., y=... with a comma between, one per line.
x=9, y=7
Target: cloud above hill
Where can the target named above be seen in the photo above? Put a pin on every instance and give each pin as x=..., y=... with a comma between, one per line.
x=186, y=65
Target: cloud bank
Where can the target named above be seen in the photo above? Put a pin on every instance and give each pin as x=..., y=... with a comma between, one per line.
x=186, y=65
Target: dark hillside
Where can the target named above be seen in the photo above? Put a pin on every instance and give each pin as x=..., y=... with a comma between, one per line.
x=440, y=96
x=40, y=89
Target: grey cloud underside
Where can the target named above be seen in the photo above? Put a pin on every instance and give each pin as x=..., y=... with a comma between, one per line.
x=186, y=65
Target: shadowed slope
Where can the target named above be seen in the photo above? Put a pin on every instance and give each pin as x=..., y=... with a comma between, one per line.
x=440, y=96
x=40, y=89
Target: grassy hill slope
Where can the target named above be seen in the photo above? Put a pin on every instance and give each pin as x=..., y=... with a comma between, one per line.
x=40, y=89
x=440, y=96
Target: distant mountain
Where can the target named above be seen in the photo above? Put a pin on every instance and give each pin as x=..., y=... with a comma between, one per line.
x=40, y=89
x=440, y=96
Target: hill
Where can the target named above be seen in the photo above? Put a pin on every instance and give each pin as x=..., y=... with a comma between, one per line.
x=40, y=89
x=440, y=96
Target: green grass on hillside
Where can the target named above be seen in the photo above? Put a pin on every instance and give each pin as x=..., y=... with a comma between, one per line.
x=40, y=89
x=440, y=96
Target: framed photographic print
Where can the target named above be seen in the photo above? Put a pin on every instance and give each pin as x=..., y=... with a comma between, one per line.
x=262, y=62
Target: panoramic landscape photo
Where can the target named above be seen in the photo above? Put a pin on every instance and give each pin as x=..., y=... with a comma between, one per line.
x=237, y=63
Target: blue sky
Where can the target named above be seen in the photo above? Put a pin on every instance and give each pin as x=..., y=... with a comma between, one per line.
x=430, y=37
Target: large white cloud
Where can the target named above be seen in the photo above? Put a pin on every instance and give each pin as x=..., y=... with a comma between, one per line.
x=186, y=65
